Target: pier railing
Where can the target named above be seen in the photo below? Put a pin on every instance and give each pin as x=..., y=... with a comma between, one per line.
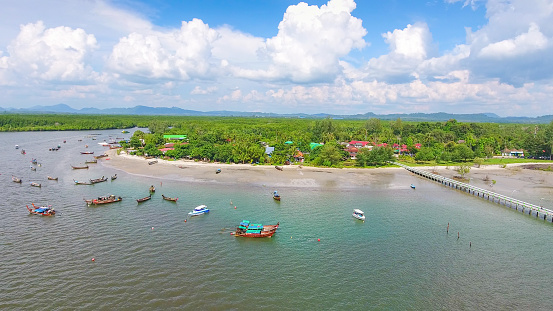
x=524, y=207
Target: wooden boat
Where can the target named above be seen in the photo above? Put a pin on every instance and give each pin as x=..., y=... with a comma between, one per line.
x=255, y=230
x=152, y=189
x=87, y=152
x=280, y=168
x=104, y=200
x=114, y=177
x=412, y=186
x=33, y=168
x=23, y=151
x=42, y=210
x=35, y=184
x=82, y=182
x=125, y=132
x=91, y=161
x=276, y=196
x=15, y=179
x=218, y=171
x=114, y=147
x=34, y=161
x=79, y=167
x=100, y=156
x=52, y=178
x=152, y=162
x=169, y=199
x=16, y=146
x=144, y=199
x=98, y=180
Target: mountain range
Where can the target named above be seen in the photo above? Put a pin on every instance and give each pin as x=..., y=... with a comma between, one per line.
x=175, y=111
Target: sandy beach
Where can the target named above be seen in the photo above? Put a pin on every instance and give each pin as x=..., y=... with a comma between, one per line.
x=514, y=180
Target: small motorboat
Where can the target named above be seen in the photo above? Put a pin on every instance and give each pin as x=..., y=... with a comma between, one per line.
x=412, y=186
x=35, y=184
x=218, y=171
x=52, y=178
x=152, y=189
x=79, y=167
x=359, y=214
x=114, y=177
x=91, y=161
x=152, y=162
x=33, y=168
x=15, y=179
x=144, y=199
x=104, y=200
x=87, y=152
x=169, y=199
x=199, y=210
x=16, y=146
x=276, y=196
x=43, y=210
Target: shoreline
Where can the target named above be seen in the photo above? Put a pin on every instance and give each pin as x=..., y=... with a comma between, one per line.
x=534, y=186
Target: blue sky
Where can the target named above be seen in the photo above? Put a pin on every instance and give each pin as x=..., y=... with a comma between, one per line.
x=337, y=56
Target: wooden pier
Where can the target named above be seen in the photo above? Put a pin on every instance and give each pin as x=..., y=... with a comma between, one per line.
x=518, y=205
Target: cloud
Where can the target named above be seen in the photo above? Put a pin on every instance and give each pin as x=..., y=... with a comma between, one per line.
x=525, y=43
x=199, y=91
x=181, y=54
x=310, y=42
x=409, y=47
x=50, y=53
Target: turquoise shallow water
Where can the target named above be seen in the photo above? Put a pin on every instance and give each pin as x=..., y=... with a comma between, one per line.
x=401, y=258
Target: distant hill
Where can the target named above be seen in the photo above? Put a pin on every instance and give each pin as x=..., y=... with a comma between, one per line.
x=175, y=111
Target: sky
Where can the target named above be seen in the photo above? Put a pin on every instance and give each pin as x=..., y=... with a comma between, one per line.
x=280, y=56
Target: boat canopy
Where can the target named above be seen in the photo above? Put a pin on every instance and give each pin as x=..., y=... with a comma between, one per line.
x=246, y=221
x=358, y=211
x=41, y=209
x=242, y=227
x=253, y=231
x=255, y=226
x=199, y=208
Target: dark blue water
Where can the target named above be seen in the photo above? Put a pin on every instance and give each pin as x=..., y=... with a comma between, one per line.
x=148, y=257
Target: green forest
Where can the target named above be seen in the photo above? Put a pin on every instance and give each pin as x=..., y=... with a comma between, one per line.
x=244, y=140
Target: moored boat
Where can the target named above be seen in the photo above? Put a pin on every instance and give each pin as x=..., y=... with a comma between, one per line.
x=42, y=210
x=82, y=182
x=87, y=152
x=104, y=200
x=91, y=161
x=199, y=210
x=114, y=177
x=359, y=214
x=152, y=162
x=276, y=196
x=79, y=167
x=15, y=179
x=125, y=132
x=255, y=230
x=16, y=146
x=144, y=199
x=100, y=156
x=98, y=180
x=412, y=186
x=52, y=178
x=152, y=189
x=35, y=184
x=169, y=199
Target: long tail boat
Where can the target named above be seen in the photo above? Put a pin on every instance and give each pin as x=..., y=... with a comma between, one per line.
x=43, y=210
x=104, y=200
x=91, y=161
x=52, y=178
x=15, y=179
x=87, y=152
x=169, y=199
x=82, y=182
x=144, y=199
x=100, y=156
x=35, y=184
x=98, y=180
x=255, y=230
x=79, y=167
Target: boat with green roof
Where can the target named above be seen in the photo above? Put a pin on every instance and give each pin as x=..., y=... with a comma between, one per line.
x=249, y=230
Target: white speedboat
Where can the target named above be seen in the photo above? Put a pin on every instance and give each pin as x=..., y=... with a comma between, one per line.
x=199, y=210
x=357, y=213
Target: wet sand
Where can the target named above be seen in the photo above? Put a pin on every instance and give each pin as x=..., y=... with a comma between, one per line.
x=534, y=186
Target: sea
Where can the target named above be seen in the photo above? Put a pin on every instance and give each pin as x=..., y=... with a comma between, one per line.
x=429, y=248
